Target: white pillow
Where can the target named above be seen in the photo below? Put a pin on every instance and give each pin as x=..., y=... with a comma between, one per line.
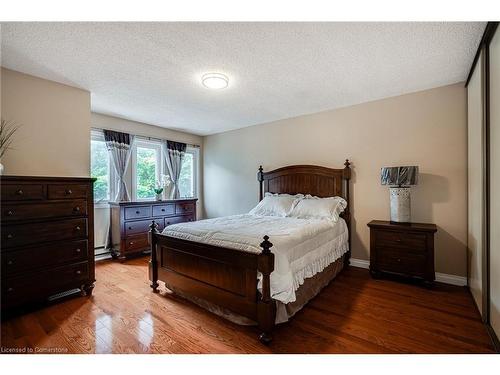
x=276, y=205
x=318, y=208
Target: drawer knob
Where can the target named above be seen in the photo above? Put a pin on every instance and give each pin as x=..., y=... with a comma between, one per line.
x=162, y=210
x=10, y=263
x=78, y=272
x=190, y=219
x=399, y=259
x=69, y=191
x=78, y=228
x=10, y=290
x=10, y=213
x=78, y=250
x=168, y=222
x=130, y=243
x=76, y=209
x=137, y=212
x=10, y=236
x=129, y=228
x=19, y=192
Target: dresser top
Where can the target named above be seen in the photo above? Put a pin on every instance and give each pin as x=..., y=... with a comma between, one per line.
x=44, y=178
x=420, y=227
x=143, y=203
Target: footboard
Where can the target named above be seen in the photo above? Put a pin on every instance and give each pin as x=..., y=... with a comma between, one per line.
x=225, y=277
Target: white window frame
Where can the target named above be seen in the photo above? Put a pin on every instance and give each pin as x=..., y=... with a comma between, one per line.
x=195, y=151
x=145, y=143
x=98, y=135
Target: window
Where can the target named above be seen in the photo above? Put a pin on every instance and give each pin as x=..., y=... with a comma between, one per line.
x=100, y=168
x=147, y=168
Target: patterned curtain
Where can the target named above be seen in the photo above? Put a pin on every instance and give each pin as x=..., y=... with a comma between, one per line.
x=174, y=156
x=119, y=146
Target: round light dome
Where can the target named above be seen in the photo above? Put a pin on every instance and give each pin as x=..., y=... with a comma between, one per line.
x=215, y=81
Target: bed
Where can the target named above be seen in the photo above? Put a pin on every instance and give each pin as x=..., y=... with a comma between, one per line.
x=233, y=265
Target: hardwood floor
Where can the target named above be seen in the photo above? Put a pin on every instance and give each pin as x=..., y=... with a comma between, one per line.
x=354, y=314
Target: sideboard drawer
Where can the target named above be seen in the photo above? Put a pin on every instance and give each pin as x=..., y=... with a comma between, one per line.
x=163, y=209
x=44, y=255
x=178, y=219
x=32, y=286
x=141, y=226
x=26, y=234
x=184, y=208
x=137, y=212
x=67, y=191
x=22, y=192
x=136, y=242
x=11, y=212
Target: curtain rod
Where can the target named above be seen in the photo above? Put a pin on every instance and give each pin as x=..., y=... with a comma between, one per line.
x=147, y=137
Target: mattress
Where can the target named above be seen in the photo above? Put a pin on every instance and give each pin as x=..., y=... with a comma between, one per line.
x=302, y=247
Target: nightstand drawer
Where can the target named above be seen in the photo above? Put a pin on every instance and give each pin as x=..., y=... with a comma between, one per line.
x=415, y=242
x=398, y=261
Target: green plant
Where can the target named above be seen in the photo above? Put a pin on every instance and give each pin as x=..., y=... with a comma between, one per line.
x=158, y=190
x=7, y=130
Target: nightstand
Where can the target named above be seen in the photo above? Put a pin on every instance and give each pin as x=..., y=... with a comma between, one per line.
x=403, y=249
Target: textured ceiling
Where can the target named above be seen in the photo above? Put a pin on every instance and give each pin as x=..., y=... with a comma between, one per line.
x=150, y=72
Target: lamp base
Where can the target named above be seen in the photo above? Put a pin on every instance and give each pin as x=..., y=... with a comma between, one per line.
x=400, y=205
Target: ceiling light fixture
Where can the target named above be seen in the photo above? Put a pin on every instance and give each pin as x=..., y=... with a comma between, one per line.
x=215, y=81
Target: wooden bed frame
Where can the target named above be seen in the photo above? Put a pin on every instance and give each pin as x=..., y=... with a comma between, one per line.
x=228, y=278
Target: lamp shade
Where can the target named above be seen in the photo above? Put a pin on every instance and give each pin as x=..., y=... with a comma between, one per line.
x=400, y=176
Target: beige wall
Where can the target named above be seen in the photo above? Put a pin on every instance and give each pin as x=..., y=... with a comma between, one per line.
x=55, y=126
x=114, y=123
x=475, y=141
x=427, y=129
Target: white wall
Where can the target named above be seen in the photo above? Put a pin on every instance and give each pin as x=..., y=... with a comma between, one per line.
x=101, y=121
x=427, y=129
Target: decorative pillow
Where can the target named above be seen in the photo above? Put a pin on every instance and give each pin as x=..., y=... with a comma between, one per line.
x=316, y=208
x=276, y=205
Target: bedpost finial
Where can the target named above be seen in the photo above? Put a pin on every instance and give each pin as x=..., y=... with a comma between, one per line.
x=347, y=163
x=260, y=175
x=153, y=226
x=266, y=245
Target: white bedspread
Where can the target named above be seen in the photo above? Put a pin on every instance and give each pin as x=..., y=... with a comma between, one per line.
x=302, y=247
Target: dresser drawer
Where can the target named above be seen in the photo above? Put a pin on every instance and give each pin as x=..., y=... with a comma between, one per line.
x=25, y=234
x=44, y=256
x=137, y=212
x=184, y=208
x=37, y=285
x=22, y=192
x=67, y=191
x=137, y=242
x=163, y=209
x=178, y=219
x=415, y=242
x=399, y=261
x=43, y=210
x=140, y=226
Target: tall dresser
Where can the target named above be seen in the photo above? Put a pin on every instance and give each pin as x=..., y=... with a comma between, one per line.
x=47, y=248
x=130, y=222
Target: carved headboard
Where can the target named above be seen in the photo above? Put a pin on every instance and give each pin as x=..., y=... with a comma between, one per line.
x=309, y=179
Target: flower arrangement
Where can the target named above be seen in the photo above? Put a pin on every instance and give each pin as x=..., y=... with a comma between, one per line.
x=158, y=189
